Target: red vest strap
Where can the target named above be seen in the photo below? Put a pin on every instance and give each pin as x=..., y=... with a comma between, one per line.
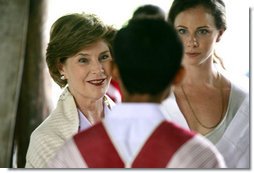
x=161, y=146
x=97, y=149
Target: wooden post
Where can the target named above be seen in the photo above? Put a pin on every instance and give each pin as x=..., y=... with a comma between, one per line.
x=13, y=30
x=33, y=102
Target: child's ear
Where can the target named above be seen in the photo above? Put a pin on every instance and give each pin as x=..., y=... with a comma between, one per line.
x=179, y=76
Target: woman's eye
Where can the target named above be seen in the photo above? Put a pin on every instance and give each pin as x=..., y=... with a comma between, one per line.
x=182, y=31
x=105, y=57
x=202, y=31
x=83, y=60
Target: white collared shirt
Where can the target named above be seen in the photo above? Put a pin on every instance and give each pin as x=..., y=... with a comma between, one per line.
x=140, y=119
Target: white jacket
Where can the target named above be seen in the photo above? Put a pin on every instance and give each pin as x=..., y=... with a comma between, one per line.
x=59, y=126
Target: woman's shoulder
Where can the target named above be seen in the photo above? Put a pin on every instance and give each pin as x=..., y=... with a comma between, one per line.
x=45, y=130
x=239, y=92
x=43, y=143
x=239, y=88
x=239, y=83
x=62, y=120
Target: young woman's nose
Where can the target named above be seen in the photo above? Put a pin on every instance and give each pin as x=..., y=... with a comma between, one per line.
x=192, y=41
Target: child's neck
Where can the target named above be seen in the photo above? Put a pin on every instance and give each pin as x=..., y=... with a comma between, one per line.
x=142, y=98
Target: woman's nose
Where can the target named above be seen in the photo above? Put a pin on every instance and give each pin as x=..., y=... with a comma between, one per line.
x=192, y=42
x=97, y=67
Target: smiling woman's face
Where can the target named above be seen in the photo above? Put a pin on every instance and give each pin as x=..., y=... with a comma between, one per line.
x=89, y=71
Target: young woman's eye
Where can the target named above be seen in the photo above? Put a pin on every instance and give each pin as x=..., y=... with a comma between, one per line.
x=202, y=32
x=182, y=31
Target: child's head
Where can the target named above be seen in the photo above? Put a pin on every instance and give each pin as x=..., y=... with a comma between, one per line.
x=148, y=54
x=149, y=11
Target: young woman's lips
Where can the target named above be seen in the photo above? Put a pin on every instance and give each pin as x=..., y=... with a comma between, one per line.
x=192, y=54
x=97, y=82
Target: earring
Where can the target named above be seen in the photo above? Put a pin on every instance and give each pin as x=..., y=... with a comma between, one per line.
x=62, y=77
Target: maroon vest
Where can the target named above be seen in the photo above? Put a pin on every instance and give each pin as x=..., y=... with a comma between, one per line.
x=98, y=151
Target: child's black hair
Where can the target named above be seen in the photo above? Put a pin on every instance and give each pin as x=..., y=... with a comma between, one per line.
x=148, y=53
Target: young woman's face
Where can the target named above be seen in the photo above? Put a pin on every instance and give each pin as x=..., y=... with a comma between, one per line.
x=89, y=71
x=196, y=27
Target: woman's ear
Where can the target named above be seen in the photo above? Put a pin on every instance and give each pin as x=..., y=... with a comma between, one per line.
x=179, y=76
x=221, y=31
x=60, y=68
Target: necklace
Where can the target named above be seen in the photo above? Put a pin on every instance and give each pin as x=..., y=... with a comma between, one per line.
x=193, y=112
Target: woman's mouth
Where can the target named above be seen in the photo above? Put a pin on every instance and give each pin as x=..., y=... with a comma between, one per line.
x=190, y=54
x=97, y=82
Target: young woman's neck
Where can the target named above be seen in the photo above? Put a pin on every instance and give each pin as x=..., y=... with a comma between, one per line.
x=200, y=75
